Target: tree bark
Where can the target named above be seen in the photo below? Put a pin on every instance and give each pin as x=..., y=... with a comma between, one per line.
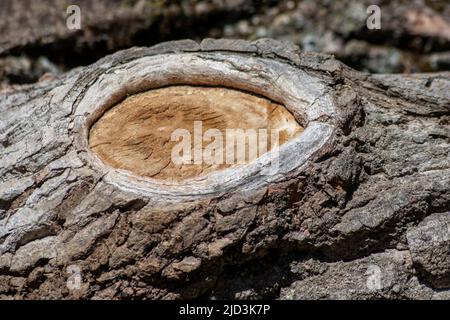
x=362, y=212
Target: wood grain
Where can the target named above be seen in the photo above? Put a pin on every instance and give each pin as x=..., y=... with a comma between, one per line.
x=135, y=135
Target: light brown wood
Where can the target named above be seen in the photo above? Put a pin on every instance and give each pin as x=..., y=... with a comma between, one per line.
x=135, y=135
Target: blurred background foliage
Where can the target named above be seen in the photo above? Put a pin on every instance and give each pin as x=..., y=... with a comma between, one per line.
x=35, y=41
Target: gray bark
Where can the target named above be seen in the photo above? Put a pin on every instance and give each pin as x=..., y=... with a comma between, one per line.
x=364, y=212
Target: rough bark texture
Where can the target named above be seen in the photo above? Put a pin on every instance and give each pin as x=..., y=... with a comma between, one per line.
x=366, y=217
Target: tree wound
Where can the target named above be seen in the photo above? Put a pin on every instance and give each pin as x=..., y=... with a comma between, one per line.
x=135, y=134
x=133, y=148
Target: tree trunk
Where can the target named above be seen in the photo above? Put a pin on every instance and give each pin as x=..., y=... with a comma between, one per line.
x=359, y=206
